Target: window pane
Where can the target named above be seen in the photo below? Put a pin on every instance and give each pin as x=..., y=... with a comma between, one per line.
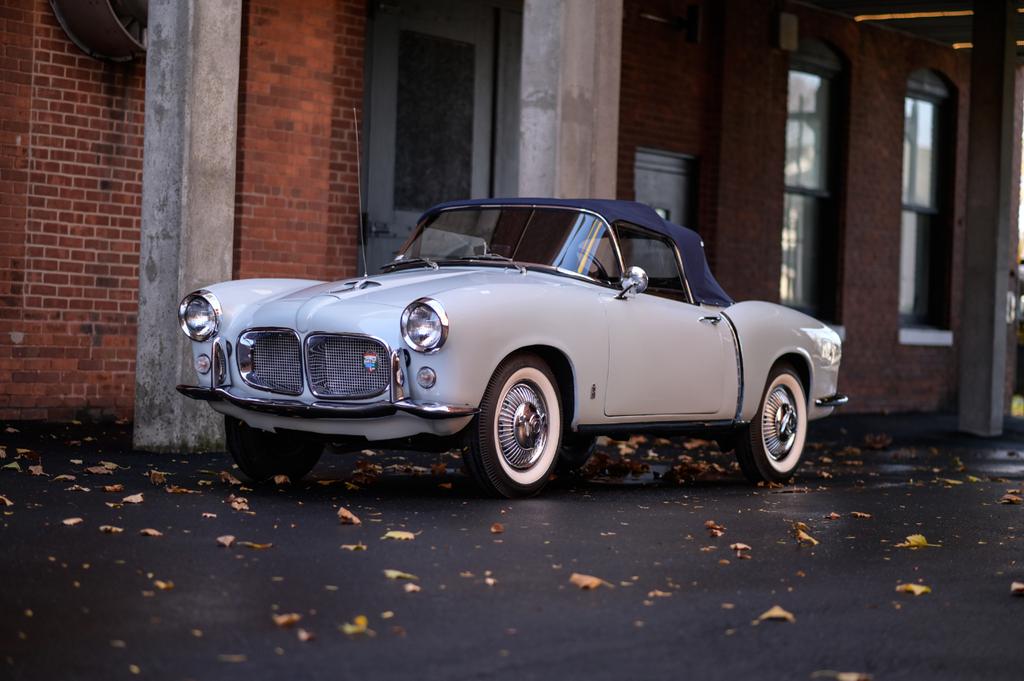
x=798, y=282
x=589, y=251
x=807, y=131
x=919, y=153
x=915, y=246
x=656, y=256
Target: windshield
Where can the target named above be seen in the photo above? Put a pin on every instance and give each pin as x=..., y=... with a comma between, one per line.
x=567, y=239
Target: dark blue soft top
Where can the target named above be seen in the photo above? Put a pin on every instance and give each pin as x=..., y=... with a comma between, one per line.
x=702, y=283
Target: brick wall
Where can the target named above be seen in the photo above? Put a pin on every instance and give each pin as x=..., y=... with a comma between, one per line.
x=724, y=101
x=70, y=186
x=296, y=207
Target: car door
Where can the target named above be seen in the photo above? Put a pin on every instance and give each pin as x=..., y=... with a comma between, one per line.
x=667, y=357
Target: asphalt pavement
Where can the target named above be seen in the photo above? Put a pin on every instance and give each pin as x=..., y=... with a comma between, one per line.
x=486, y=588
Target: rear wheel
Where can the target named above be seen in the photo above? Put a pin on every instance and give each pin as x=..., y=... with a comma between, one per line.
x=772, y=445
x=515, y=439
x=261, y=455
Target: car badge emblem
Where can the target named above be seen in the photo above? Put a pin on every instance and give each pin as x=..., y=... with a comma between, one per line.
x=369, y=361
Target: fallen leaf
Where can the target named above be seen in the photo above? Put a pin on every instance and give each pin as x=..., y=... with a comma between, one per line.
x=5, y=501
x=587, y=581
x=411, y=588
x=714, y=529
x=490, y=581
x=177, y=489
x=99, y=470
x=157, y=477
x=776, y=613
x=133, y=499
x=282, y=480
x=110, y=529
x=209, y=515
x=64, y=477
x=860, y=514
x=1010, y=499
x=358, y=625
x=71, y=522
x=150, y=532
x=36, y=470
x=354, y=547
x=916, y=541
x=391, y=573
x=877, y=440
x=497, y=528
x=400, y=535
x=14, y=466
x=304, y=635
x=226, y=540
x=254, y=545
x=238, y=503
x=833, y=516
x=109, y=465
x=113, y=488
x=1017, y=588
x=802, y=535
x=228, y=478
x=657, y=593
x=78, y=488
x=950, y=481
x=287, y=619
x=163, y=585
x=916, y=589
x=347, y=517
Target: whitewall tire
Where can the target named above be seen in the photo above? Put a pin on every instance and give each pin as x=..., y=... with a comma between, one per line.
x=771, y=447
x=515, y=439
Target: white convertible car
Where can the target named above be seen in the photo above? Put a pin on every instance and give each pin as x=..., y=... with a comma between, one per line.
x=519, y=329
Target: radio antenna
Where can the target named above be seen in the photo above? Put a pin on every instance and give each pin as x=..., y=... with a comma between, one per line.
x=360, y=237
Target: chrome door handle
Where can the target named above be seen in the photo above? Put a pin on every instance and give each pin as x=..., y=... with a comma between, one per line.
x=710, y=320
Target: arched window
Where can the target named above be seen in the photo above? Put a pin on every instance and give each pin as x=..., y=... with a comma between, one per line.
x=923, y=243
x=808, y=278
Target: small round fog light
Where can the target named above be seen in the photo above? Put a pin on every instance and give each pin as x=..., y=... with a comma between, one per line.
x=203, y=364
x=426, y=377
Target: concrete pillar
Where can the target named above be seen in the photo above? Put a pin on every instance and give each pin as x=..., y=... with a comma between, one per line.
x=569, y=120
x=188, y=199
x=983, y=323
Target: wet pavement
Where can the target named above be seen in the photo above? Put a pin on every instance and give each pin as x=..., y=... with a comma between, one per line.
x=78, y=602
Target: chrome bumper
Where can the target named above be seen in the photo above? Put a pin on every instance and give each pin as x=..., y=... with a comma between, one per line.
x=329, y=410
x=836, y=400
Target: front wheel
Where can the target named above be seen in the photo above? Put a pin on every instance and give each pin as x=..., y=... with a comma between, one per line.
x=515, y=439
x=261, y=455
x=770, y=448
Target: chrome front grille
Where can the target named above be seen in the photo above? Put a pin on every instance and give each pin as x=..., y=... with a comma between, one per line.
x=270, y=359
x=349, y=366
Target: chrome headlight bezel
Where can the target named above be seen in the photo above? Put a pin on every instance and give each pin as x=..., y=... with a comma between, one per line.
x=437, y=310
x=215, y=311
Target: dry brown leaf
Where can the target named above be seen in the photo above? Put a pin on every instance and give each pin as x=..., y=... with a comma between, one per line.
x=5, y=501
x=304, y=635
x=587, y=581
x=163, y=585
x=657, y=593
x=226, y=540
x=287, y=619
x=238, y=503
x=877, y=440
x=391, y=573
x=833, y=516
x=354, y=547
x=411, y=588
x=714, y=529
x=358, y=626
x=99, y=470
x=255, y=545
x=228, y=478
x=777, y=613
x=497, y=528
x=490, y=581
x=1010, y=499
x=860, y=514
x=78, y=488
x=157, y=477
x=347, y=517
x=110, y=529
x=916, y=589
x=916, y=541
x=64, y=477
x=132, y=499
x=71, y=522
x=209, y=515
x=400, y=535
x=150, y=532
x=177, y=489
x=36, y=470
x=282, y=480
x=1017, y=588
x=802, y=534
x=113, y=488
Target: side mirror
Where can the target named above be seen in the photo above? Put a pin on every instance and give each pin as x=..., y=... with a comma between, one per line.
x=634, y=281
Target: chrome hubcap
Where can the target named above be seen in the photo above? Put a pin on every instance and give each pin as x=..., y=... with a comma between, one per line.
x=522, y=426
x=779, y=422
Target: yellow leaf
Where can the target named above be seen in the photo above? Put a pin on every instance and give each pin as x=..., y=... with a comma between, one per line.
x=358, y=625
x=400, y=535
x=163, y=585
x=71, y=522
x=804, y=538
x=347, y=517
x=254, y=545
x=950, y=481
x=916, y=541
x=776, y=613
x=587, y=581
x=286, y=619
x=133, y=499
x=916, y=589
x=398, y=574
x=354, y=547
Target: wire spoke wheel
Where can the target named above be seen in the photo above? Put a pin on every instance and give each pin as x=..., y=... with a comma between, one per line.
x=779, y=422
x=522, y=425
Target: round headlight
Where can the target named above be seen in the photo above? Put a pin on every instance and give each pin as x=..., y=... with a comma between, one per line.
x=424, y=325
x=199, y=314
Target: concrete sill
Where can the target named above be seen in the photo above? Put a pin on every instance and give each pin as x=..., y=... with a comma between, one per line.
x=930, y=337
